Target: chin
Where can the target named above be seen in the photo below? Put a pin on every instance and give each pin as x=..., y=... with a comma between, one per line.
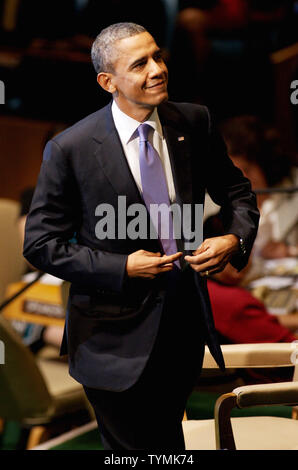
x=160, y=99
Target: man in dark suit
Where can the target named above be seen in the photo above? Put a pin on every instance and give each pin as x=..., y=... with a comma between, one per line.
x=138, y=313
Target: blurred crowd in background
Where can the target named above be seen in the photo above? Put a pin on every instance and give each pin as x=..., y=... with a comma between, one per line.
x=218, y=52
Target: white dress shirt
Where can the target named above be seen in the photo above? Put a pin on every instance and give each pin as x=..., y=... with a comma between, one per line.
x=129, y=137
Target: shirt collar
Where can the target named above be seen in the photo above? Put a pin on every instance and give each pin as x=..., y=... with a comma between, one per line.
x=127, y=126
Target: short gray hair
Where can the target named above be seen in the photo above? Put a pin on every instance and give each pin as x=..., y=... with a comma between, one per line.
x=103, y=51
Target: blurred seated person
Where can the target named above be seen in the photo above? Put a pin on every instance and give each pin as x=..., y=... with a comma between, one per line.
x=35, y=336
x=202, y=17
x=193, y=47
x=240, y=318
x=222, y=43
x=256, y=149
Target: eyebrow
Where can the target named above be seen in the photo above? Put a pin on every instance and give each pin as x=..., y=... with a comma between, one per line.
x=140, y=59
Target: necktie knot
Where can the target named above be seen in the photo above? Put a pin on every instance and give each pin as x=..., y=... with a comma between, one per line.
x=143, y=131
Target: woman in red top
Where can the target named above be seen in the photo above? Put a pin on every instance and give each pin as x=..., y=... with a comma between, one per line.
x=241, y=318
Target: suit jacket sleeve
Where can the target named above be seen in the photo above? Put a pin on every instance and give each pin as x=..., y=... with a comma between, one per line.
x=229, y=189
x=53, y=220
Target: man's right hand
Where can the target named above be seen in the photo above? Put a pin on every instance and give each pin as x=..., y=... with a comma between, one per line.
x=146, y=264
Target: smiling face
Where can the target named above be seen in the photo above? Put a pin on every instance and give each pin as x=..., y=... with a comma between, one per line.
x=139, y=78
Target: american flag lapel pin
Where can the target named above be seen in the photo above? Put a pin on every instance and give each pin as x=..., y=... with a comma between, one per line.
x=180, y=139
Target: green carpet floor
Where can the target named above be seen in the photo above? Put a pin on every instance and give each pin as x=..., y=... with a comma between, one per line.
x=88, y=441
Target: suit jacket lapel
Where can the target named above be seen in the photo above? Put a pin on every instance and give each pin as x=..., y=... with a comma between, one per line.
x=176, y=135
x=111, y=158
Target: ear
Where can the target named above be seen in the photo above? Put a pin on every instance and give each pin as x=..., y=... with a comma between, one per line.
x=105, y=80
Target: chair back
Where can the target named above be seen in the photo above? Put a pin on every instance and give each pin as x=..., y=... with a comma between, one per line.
x=65, y=286
x=23, y=391
x=12, y=263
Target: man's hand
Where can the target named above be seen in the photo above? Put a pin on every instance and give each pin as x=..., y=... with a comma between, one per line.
x=146, y=264
x=213, y=254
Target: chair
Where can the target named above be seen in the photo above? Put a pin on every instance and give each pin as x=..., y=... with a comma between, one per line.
x=252, y=432
x=36, y=392
x=12, y=264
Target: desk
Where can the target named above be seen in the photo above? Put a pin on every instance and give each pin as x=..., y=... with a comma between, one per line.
x=274, y=282
x=38, y=298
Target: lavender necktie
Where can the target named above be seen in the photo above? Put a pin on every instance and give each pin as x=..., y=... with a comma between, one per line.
x=155, y=188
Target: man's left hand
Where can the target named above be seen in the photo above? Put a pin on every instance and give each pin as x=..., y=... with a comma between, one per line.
x=213, y=254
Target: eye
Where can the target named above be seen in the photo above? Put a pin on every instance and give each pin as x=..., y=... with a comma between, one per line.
x=140, y=64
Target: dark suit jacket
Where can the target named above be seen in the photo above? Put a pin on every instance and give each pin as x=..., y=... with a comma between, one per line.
x=112, y=320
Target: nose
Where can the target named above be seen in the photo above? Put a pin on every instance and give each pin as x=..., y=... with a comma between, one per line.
x=156, y=68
